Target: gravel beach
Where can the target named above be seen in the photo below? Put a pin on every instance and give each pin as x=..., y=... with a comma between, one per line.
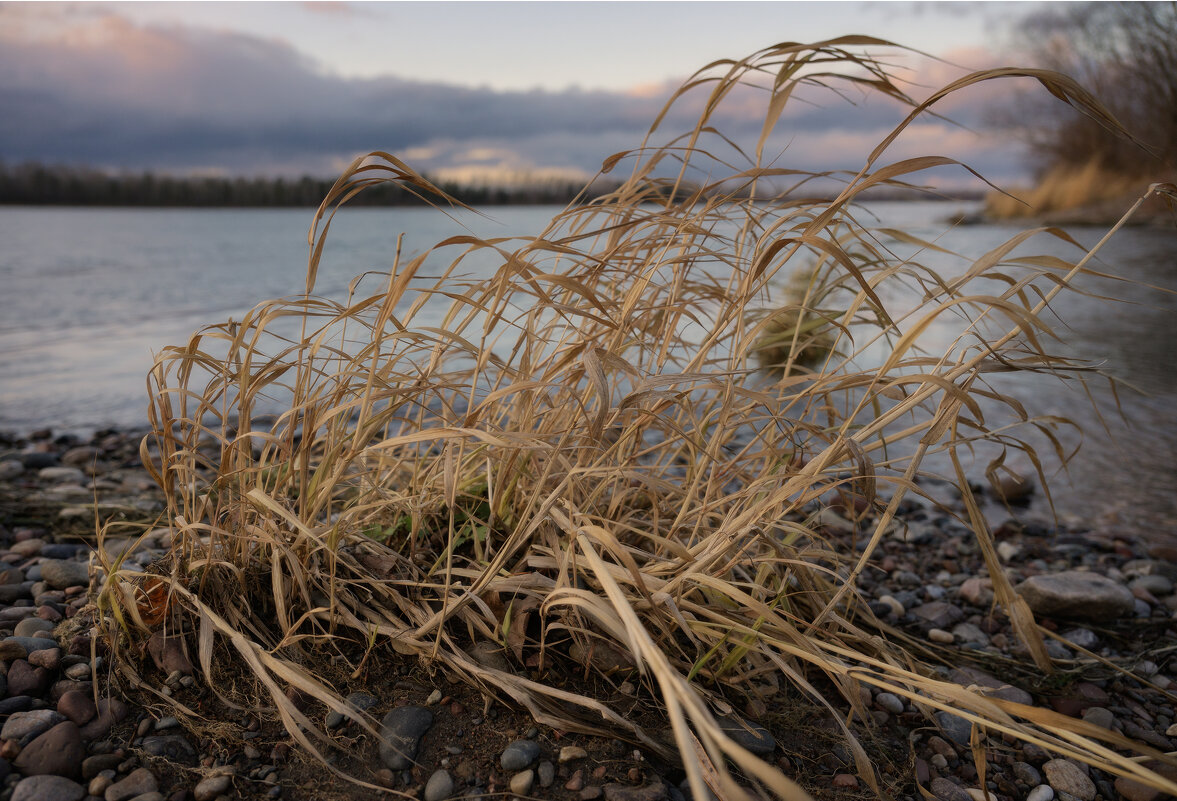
x=1108, y=595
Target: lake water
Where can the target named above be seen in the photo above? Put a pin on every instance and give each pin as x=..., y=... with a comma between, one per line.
x=88, y=295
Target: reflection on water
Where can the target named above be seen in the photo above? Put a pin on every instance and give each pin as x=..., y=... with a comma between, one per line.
x=90, y=294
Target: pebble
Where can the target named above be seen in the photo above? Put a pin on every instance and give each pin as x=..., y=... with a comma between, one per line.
x=48, y=788
x=77, y=706
x=941, y=636
x=546, y=773
x=955, y=728
x=1067, y=777
x=361, y=702
x=1100, y=717
x=138, y=782
x=210, y=787
x=521, y=782
x=571, y=753
x=439, y=786
x=748, y=735
x=24, y=726
x=400, y=735
x=58, y=751
x=1043, y=792
x=945, y=790
x=890, y=702
x=519, y=755
x=1077, y=595
x=1027, y=774
x=61, y=574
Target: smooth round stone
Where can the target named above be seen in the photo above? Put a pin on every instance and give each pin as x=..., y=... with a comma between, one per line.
x=1067, y=777
x=571, y=753
x=59, y=751
x=439, y=786
x=110, y=712
x=400, y=735
x=60, y=550
x=77, y=706
x=48, y=788
x=546, y=773
x=519, y=755
x=139, y=782
x=941, y=636
x=1077, y=595
x=361, y=702
x=956, y=728
x=748, y=735
x=1153, y=583
x=521, y=782
x=209, y=788
x=1100, y=717
x=78, y=672
x=890, y=702
x=945, y=790
x=63, y=573
x=25, y=679
x=1043, y=792
x=22, y=725
x=1027, y=774
x=62, y=475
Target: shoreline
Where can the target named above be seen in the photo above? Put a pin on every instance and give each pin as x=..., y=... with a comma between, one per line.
x=928, y=590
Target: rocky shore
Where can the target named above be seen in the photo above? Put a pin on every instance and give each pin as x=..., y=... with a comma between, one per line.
x=1108, y=595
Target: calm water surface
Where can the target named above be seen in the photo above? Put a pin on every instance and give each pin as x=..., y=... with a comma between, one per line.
x=88, y=295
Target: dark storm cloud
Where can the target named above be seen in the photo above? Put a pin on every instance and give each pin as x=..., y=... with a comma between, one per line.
x=178, y=99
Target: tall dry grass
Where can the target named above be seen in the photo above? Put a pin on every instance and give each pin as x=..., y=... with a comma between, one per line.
x=1067, y=188
x=583, y=452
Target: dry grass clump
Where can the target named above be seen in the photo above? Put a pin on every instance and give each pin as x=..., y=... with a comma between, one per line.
x=1065, y=188
x=579, y=456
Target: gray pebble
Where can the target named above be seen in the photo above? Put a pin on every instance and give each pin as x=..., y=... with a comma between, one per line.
x=61, y=574
x=1043, y=792
x=547, y=773
x=522, y=782
x=24, y=726
x=1100, y=717
x=361, y=702
x=140, y=781
x=48, y=788
x=519, y=755
x=210, y=787
x=955, y=728
x=945, y=790
x=1027, y=774
x=400, y=735
x=749, y=735
x=439, y=786
x=1067, y=777
x=30, y=626
x=890, y=702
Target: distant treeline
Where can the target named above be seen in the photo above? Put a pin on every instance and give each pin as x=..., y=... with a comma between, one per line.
x=39, y=184
x=45, y=185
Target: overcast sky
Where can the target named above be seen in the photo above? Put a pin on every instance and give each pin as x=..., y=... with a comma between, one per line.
x=463, y=90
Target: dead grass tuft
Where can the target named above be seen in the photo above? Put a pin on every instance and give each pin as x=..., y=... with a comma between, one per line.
x=577, y=452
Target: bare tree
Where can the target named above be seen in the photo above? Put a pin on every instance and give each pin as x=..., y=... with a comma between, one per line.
x=1126, y=53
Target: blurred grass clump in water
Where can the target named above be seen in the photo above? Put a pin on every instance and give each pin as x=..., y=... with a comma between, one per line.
x=585, y=458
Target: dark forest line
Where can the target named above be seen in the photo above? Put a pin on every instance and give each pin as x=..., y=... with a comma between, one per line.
x=45, y=185
x=48, y=185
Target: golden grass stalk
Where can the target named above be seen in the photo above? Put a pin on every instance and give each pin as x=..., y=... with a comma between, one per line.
x=575, y=449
